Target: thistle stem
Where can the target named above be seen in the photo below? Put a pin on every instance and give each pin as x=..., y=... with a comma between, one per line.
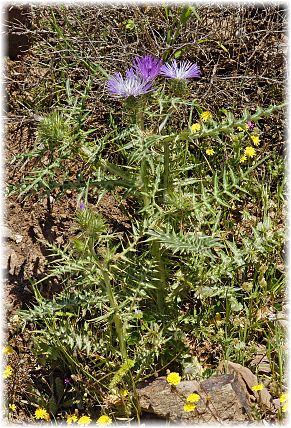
x=119, y=327
x=166, y=169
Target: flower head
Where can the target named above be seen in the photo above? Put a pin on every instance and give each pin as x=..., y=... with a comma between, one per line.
x=123, y=392
x=205, y=116
x=132, y=85
x=193, y=398
x=258, y=387
x=189, y=407
x=41, y=413
x=196, y=127
x=173, y=378
x=285, y=407
x=283, y=397
x=250, y=152
x=255, y=139
x=181, y=70
x=7, y=350
x=147, y=66
x=84, y=420
x=243, y=159
x=8, y=371
x=104, y=420
x=210, y=152
x=71, y=419
x=12, y=407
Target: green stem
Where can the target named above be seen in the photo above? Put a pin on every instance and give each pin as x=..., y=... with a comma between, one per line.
x=166, y=169
x=143, y=168
x=116, y=317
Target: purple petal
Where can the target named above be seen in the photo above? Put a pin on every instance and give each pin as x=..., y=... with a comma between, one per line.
x=181, y=70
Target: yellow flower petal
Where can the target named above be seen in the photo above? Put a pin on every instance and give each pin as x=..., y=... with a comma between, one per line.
x=173, y=378
x=255, y=139
x=193, y=398
x=258, y=387
x=71, y=419
x=210, y=152
x=41, y=413
x=104, y=420
x=250, y=151
x=7, y=350
x=84, y=420
x=189, y=407
x=8, y=371
x=196, y=127
x=283, y=397
x=205, y=116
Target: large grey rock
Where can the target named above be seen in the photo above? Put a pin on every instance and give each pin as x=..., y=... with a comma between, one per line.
x=222, y=399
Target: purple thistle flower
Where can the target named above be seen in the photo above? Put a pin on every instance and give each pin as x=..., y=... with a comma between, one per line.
x=132, y=85
x=250, y=125
x=181, y=70
x=147, y=66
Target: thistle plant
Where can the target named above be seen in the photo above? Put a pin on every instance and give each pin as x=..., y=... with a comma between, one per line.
x=133, y=288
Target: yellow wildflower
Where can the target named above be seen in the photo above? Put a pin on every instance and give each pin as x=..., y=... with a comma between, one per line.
x=7, y=372
x=41, y=413
x=12, y=407
x=285, y=407
x=123, y=392
x=193, y=398
x=210, y=152
x=104, y=420
x=258, y=387
x=196, y=127
x=283, y=397
x=255, y=139
x=205, y=116
x=84, y=420
x=7, y=350
x=174, y=378
x=250, y=151
x=243, y=159
x=189, y=407
x=71, y=419
x=240, y=128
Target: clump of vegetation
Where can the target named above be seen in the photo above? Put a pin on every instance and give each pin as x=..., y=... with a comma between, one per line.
x=200, y=266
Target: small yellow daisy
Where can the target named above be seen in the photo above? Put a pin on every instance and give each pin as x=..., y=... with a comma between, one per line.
x=193, y=398
x=84, y=420
x=12, y=407
x=196, y=127
x=8, y=371
x=285, y=407
x=189, y=407
x=7, y=350
x=283, y=397
x=123, y=392
x=41, y=413
x=250, y=152
x=255, y=139
x=71, y=419
x=205, y=116
x=243, y=159
x=210, y=152
x=258, y=387
x=104, y=420
x=174, y=378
